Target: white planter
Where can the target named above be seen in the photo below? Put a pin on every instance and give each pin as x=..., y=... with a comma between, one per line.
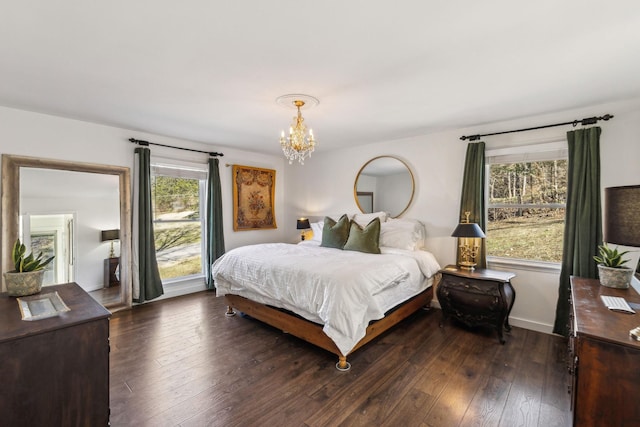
x=615, y=277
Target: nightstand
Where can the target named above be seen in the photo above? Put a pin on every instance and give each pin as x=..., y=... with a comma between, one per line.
x=479, y=297
x=110, y=267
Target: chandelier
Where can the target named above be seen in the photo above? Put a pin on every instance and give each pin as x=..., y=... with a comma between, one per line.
x=298, y=145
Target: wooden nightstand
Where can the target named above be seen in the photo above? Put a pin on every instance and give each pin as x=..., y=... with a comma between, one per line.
x=478, y=297
x=110, y=267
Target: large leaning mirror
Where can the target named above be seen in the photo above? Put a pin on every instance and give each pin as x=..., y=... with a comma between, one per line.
x=78, y=212
x=384, y=183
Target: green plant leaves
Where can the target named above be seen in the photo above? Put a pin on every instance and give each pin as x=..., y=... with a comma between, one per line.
x=27, y=263
x=610, y=257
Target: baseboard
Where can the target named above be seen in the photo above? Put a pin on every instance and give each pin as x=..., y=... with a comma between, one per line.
x=531, y=325
x=514, y=321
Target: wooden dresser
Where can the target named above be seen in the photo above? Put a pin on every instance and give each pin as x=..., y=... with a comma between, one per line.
x=55, y=371
x=604, y=360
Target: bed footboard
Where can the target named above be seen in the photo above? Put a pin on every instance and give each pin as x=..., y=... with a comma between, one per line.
x=313, y=333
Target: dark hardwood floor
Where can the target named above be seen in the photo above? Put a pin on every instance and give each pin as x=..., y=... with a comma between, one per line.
x=181, y=362
x=106, y=295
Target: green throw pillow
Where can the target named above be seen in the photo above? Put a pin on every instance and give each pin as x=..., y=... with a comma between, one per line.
x=335, y=234
x=364, y=239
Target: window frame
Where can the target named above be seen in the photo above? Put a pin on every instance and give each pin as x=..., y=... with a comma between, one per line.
x=189, y=171
x=555, y=150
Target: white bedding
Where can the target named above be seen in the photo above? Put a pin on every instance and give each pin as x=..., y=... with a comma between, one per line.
x=343, y=290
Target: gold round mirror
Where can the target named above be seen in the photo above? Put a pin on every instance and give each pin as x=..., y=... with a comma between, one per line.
x=384, y=183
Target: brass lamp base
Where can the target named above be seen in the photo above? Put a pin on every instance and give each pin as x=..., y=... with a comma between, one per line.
x=467, y=265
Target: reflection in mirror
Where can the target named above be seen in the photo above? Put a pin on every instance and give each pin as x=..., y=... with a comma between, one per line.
x=365, y=200
x=49, y=201
x=386, y=184
x=51, y=235
x=61, y=208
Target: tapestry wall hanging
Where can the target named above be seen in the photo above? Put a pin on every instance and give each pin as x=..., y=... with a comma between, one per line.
x=253, y=198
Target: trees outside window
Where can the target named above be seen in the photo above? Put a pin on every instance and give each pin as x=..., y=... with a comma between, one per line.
x=526, y=206
x=177, y=221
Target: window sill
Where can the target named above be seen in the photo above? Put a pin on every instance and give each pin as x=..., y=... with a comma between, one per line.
x=523, y=264
x=183, y=280
x=182, y=286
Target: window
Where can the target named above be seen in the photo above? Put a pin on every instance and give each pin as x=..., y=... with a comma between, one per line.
x=527, y=193
x=178, y=194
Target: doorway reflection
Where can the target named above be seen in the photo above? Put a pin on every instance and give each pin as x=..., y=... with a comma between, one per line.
x=52, y=235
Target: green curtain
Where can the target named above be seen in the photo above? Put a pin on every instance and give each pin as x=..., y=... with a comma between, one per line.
x=147, y=283
x=583, y=218
x=472, y=199
x=215, y=232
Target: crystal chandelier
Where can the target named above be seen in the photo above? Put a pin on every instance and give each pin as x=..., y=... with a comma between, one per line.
x=298, y=145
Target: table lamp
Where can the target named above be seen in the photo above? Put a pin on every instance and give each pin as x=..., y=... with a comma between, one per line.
x=622, y=219
x=622, y=215
x=303, y=224
x=110, y=236
x=468, y=233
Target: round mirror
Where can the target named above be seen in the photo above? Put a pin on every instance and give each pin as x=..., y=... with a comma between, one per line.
x=386, y=184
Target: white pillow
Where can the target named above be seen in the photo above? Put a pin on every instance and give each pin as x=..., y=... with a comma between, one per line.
x=363, y=219
x=407, y=234
x=317, y=227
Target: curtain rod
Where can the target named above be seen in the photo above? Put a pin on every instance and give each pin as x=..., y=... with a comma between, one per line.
x=147, y=143
x=583, y=122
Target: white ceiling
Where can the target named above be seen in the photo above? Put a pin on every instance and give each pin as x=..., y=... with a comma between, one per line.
x=211, y=70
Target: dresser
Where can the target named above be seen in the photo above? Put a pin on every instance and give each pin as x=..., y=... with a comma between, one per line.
x=55, y=371
x=477, y=297
x=604, y=360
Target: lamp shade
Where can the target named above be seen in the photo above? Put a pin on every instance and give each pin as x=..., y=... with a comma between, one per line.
x=466, y=229
x=622, y=215
x=303, y=224
x=110, y=235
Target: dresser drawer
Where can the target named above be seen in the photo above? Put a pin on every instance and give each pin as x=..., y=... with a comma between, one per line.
x=471, y=302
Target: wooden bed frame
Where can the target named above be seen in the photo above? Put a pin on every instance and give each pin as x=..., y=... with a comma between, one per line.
x=312, y=332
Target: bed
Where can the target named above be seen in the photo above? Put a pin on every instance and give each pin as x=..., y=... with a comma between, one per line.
x=335, y=298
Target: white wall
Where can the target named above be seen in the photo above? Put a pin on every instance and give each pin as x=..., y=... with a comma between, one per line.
x=40, y=135
x=324, y=185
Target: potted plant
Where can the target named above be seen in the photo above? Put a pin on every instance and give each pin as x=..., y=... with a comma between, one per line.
x=611, y=268
x=26, y=278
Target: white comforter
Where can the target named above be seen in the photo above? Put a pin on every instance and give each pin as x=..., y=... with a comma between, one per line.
x=330, y=286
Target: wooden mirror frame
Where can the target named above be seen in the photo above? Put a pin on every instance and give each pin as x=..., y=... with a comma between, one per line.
x=11, y=211
x=413, y=183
